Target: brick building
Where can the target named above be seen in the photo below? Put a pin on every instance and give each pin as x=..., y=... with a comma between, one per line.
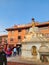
x=3, y=39
x=17, y=33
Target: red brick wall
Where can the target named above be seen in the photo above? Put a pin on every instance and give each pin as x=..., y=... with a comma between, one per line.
x=15, y=36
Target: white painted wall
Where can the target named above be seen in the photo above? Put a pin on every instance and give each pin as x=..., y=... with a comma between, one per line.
x=26, y=49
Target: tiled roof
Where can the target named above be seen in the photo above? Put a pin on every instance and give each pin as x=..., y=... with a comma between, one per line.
x=27, y=25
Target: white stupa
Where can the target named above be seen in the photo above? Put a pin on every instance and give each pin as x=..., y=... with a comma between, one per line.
x=33, y=44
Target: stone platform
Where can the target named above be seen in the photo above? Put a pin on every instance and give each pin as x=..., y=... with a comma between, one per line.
x=18, y=61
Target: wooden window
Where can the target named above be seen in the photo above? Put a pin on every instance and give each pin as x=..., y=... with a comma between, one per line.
x=19, y=37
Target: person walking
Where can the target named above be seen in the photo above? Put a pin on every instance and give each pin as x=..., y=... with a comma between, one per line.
x=3, y=59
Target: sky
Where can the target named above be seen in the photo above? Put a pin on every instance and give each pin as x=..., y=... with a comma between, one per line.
x=21, y=12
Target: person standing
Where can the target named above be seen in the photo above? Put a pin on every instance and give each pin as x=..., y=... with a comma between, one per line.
x=14, y=51
x=18, y=50
x=3, y=59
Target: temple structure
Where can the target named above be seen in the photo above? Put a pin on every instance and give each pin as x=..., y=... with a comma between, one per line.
x=35, y=45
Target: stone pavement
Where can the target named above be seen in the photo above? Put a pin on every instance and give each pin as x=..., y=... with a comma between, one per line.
x=17, y=60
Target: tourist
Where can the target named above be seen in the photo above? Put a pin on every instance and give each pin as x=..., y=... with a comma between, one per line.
x=8, y=52
x=18, y=50
x=14, y=51
x=3, y=59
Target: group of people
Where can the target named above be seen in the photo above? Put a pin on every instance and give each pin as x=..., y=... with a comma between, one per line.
x=17, y=51
x=7, y=52
x=13, y=51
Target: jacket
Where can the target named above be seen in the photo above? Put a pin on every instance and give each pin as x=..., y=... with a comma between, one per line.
x=3, y=59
